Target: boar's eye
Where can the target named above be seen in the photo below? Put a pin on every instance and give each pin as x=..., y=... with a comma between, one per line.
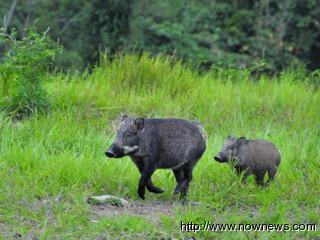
x=128, y=134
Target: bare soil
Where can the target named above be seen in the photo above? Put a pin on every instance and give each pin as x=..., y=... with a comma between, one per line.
x=151, y=211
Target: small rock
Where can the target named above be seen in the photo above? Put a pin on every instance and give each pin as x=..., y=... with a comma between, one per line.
x=108, y=199
x=17, y=236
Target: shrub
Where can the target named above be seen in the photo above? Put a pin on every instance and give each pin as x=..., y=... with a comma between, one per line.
x=24, y=71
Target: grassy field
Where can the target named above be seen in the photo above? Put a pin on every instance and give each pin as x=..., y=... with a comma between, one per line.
x=51, y=163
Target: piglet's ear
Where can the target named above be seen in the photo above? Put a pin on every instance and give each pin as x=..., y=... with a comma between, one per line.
x=124, y=117
x=241, y=140
x=139, y=123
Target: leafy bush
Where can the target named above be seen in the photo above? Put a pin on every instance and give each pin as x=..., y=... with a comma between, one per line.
x=23, y=71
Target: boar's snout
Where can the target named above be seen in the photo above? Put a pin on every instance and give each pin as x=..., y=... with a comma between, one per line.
x=113, y=152
x=110, y=154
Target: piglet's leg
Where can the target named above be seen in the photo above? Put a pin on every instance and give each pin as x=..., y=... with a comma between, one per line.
x=243, y=173
x=259, y=176
x=271, y=173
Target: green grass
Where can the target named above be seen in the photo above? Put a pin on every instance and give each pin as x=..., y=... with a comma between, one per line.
x=51, y=163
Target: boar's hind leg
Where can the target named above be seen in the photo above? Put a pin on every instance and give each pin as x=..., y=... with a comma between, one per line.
x=179, y=175
x=187, y=169
x=190, y=160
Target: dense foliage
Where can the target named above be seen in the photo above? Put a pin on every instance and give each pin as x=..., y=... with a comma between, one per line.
x=227, y=33
x=23, y=73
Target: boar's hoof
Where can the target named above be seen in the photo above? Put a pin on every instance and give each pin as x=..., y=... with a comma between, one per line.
x=184, y=201
x=155, y=189
x=141, y=192
x=177, y=190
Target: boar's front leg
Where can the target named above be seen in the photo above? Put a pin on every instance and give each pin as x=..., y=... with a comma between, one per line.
x=145, y=178
x=140, y=165
x=153, y=188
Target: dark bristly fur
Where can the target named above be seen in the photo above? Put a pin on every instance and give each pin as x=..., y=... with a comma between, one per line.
x=251, y=157
x=152, y=144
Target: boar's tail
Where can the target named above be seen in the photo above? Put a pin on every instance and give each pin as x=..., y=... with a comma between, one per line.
x=202, y=132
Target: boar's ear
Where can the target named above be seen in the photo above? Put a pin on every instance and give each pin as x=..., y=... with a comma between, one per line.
x=241, y=140
x=230, y=137
x=124, y=117
x=139, y=123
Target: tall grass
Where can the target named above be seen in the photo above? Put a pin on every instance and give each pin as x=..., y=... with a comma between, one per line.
x=51, y=163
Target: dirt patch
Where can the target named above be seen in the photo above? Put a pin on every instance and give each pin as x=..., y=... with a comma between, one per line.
x=151, y=211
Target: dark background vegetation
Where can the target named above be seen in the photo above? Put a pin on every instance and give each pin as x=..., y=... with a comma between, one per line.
x=227, y=33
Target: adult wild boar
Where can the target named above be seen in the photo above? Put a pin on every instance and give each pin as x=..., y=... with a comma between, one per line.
x=152, y=144
x=251, y=157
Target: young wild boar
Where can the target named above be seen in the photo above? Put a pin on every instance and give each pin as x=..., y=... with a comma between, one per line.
x=160, y=143
x=251, y=157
